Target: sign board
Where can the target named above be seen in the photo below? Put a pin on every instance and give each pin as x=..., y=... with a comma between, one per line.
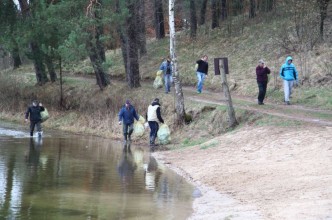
x=220, y=63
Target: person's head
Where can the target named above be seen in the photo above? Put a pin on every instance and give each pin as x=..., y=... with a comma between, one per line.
x=168, y=59
x=35, y=102
x=289, y=60
x=205, y=58
x=261, y=62
x=127, y=104
x=156, y=100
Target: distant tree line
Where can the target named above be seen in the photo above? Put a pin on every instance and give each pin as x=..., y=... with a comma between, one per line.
x=50, y=31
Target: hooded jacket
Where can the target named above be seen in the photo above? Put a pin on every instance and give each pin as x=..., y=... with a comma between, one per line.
x=34, y=113
x=127, y=115
x=166, y=67
x=288, y=71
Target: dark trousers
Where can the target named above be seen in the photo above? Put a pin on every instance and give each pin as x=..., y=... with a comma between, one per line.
x=127, y=130
x=34, y=124
x=261, y=91
x=154, y=127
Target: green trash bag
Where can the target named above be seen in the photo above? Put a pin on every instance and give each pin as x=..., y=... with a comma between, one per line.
x=158, y=82
x=44, y=115
x=138, y=129
x=164, y=134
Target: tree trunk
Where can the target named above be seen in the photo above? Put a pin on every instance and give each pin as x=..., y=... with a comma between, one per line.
x=193, y=19
x=50, y=67
x=159, y=19
x=224, y=9
x=96, y=62
x=252, y=9
x=180, y=110
x=323, y=4
x=132, y=46
x=214, y=14
x=37, y=58
x=95, y=46
x=36, y=54
x=16, y=57
x=203, y=12
x=141, y=29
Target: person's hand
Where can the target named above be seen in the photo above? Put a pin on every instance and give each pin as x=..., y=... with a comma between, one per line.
x=40, y=104
x=26, y=120
x=120, y=122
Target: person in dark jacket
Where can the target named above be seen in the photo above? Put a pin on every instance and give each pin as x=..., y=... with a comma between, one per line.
x=166, y=67
x=202, y=71
x=33, y=112
x=127, y=115
x=262, y=80
x=153, y=116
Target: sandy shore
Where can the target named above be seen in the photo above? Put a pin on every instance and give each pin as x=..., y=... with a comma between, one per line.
x=260, y=173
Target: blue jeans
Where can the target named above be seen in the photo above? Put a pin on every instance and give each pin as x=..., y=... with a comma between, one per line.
x=200, y=78
x=154, y=127
x=168, y=82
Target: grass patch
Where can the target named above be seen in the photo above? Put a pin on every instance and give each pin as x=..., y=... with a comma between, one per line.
x=209, y=145
x=277, y=121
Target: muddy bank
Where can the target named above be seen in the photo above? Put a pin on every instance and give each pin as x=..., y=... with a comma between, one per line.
x=260, y=173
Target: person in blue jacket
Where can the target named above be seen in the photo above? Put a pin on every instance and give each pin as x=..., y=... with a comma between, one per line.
x=289, y=75
x=166, y=67
x=127, y=115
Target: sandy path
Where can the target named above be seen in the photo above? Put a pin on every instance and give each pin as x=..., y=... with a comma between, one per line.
x=260, y=173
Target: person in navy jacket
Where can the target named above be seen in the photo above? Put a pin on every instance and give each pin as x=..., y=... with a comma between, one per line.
x=127, y=115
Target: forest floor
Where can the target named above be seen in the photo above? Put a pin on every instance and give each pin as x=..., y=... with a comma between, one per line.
x=261, y=172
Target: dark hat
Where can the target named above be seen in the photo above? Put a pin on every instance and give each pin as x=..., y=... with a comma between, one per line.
x=127, y=102
x=156, y=100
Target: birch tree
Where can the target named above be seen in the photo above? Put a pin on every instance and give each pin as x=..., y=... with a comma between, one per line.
x=180, y=111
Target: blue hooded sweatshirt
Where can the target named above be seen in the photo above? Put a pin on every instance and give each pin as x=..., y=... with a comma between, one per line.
x=288, y=71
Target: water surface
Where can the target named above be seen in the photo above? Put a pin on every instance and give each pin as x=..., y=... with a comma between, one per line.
x=63, y=176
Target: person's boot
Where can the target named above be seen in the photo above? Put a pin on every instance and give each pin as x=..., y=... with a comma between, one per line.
x=31, y=133
x=129, y=139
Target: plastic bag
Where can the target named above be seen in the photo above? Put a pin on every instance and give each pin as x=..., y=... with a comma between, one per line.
x=139, y=127
x=164, y=134
x=158, y=82
x=44, y=115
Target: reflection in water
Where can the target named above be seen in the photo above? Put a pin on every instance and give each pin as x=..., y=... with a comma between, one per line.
x=34, y=152
x=151, y=174
x=127, y=166
x=77, y=177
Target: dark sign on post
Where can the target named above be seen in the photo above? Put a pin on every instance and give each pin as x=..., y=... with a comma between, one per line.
x=220, y=63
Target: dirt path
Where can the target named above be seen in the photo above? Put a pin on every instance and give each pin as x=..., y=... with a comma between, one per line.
x=261, y=172
x=294, y=112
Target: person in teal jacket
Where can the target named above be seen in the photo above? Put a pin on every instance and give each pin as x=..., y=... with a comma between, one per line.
x=290, y=76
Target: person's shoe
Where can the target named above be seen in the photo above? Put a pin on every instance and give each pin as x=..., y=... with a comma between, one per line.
x=199, y=92
x=287, y=103
x=260, y=103
x=31, y=134
x=125, y=142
